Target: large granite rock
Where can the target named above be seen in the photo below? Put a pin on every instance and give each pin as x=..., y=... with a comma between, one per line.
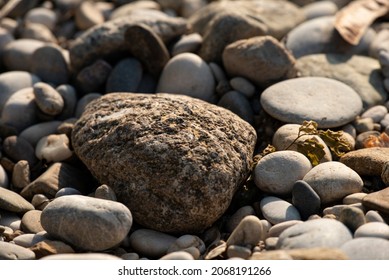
x=223, y=22
x=361, y=73
x=173, y=160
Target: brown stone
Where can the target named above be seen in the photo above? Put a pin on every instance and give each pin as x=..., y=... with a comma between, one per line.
x=51, y=247
x=31, y=222
x=169, y=158
x=377, y=201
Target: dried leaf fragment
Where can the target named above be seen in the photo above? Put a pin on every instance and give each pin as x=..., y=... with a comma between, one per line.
x=353, y=20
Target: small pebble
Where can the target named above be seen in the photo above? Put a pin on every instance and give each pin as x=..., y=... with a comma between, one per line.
x=53, y=148
x=35, y=132
x=187, y=43
x=217, y=72
x=50, y=247
x=376, y=113
x=277, y=229
x=364, y=125
x=31, y=222
x=243, y=85
x=185, y=242
x=30, y=239
x=373, y=229
x=105, y=192
x=248, y=233
x=353, y=218
x=237, y=217
x=236, y=251
x=10, y=219
x=13, y=202
x=40, y=201
x=305, y=199
x=354, y=198
x=48, y=99
x=125, y=76
x=276, y=210
x=87, y=15
x=43, y=16
x=237, y=103
x=93, y=77
x=374, y=216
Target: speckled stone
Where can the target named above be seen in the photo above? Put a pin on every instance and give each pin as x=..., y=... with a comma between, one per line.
x=368, y=161
x=277, y=172
x=333, y=181
x=169, y=158
x=277, y=210
x=87, y=223
x=366, y=248
x=315, y=233
x=297, y=100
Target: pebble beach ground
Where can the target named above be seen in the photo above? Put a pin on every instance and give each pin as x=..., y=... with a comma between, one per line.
x=140, y=130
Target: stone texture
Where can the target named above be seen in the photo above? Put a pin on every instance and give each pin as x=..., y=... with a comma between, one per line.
x=300, y=99
x=263, y=60
x=108, y=38
x=366, y=248
x=377, y=201
x=315, y=233
x=87, y=223
x=277, y=210
x=277, y=172
x=368, y=161
x=183, y=156
x=361, y=73
x=151, y=243
x=223, y=22
x=13, y=202
x=333, y=181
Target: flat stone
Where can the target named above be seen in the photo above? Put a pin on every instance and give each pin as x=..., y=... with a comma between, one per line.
x=285, y=136
x=315, y=233
x=108, y=38
x=49, y=63
x=87, y=223
x=366, y=248
x=13, y=202
x=297, y=100
x=19, y=149
x=31, y=222
x=373, y=229
x=223, y=23
x=377, y=201
x=263, y=60
x=333, y=181
x=305, y=199
x=13, y=81
x=20, y=110
x=151, y=243
x=248, y=232
x=353, y=218
x=277, y=229
x=48, y=99
x=238, y=216
x=35, y=132
x=81, y=256
x=323, y=39
x=368, y=161
x=178, y=177
x=277, y=172
x=149, y=48
x=361, y=73
x=277, y=210
x=125, y=76
x=187, y=74
x=9, y=251
x=17, y=55
x=239, y=104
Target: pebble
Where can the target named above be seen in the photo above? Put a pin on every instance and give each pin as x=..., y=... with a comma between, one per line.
x=277, y=229
x=237, y=217
x=277, y=210
x=17, y=55
x=37, y=131
x=67, y=191
x=81, y=256
x=180, y=255
x=84, y=101
x=40, y=201
x=49, y=63
x=31, y=222
x=248, y=232
x=277, y=172
x=187, y=43
x=48, y=99
x=50, y=247
x=151, y=243
x=5, y=38
x=125, y=76
x=9, y=251
x=30, y=239
x=53, y=148
x=42, y=15
x=364, y=125
x=271, y=243
x=88, y=15
x=19, y=149
x=187, y=74
x=93, y=77
x=353, y=218
x=254, y=60
x=186, y=242
x=13, y=202
x=305, y=199
x=297, y=100
x=217, y=72
x=236, y=251
x=373, y=229
x=105, y=192
x=364, y=137
x=286, y=134
x=21, y=101
x=87, y=223
x=373, y=216
x=354, y=198
x=366, y=248
x=377, y=113
x=368, y=161
x=13, y=81
x=4, y=182
x=338, y=208
x=377, y=201
x=243, y=85
x=237, y=103
x=333, y=181
x=315, y=233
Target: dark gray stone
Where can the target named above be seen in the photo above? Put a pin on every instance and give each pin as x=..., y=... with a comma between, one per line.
x=305, y=199
x=125, y=76
x=237, y=103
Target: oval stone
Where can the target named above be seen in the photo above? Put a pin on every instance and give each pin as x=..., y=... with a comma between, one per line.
x=277, y=172
x=333, y=181
x=184, y=153
x=277, y=210
x=187, y=74
x=9, y=251
x=297, y=100
x=314, y=233
x=87, y=223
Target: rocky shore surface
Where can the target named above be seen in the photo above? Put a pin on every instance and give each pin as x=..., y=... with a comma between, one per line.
x=194, y=129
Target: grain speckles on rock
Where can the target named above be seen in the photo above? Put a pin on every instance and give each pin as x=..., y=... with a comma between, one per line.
x=185, y=153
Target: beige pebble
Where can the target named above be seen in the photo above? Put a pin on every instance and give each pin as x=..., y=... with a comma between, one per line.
x=105, y=192
x=88, y=15
x=21, y=174
x=53, y=148
x=236, y=251
x=248, y=233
